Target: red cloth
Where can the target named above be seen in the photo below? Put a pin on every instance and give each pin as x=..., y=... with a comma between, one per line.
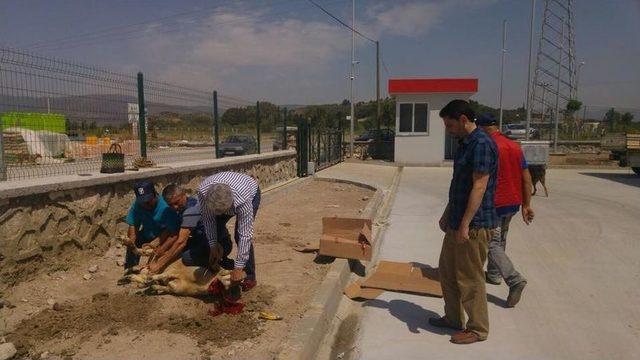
x=510, y=163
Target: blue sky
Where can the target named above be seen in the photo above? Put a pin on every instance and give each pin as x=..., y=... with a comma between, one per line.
x=290, y=52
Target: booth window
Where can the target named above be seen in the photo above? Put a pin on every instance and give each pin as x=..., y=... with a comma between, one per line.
x=414, y=118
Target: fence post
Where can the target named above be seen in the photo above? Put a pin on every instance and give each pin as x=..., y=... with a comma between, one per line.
x=216, y=127
x=258, y=124
x=299, y=145
x=141, y=117
x=3, y=166
x=318, y=150
x=284, y=130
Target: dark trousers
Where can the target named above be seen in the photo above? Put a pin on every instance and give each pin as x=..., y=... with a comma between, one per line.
x=224, y=238
x=196, y=252
x=132, y=259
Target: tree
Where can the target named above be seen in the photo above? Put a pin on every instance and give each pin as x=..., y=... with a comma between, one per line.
x=572, y=124
x=612, y=118
x=573, y=105
x=625, y=120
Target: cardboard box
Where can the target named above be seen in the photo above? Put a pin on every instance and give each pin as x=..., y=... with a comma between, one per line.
x=405, y=277
x=346, y=238
x=356, y=291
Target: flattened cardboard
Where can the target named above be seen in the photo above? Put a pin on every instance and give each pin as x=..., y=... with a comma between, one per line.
x=405, y=277
x=346, y=238
x=356, y=291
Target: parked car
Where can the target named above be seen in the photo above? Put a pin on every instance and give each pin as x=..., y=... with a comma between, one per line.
x=386, y=134
x=518, y=131
x=235, y=145
x=291, y=138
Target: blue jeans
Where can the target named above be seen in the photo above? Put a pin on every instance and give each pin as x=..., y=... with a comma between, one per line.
x=498, y=264
x=224, y=238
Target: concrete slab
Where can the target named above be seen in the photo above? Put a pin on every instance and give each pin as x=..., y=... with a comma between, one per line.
x=380, y=177
x=581, y=258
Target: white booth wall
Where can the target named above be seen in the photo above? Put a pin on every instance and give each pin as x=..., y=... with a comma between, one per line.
x=420, y=149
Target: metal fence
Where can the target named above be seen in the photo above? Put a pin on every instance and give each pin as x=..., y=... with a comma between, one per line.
x=318, y=145
x=589, y=122
x=58, y=118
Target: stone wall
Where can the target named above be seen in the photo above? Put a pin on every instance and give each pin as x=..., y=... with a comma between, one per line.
x=42, y=225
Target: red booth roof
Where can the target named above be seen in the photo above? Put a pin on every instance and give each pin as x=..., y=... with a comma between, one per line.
x=421, y=86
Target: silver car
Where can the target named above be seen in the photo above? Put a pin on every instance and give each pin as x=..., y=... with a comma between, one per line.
x=519, y=131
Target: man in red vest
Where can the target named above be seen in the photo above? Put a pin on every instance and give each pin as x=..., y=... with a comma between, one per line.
x=513, y=191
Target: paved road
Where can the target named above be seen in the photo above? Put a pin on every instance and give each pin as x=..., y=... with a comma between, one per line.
x=581, y=258
x=159, y=156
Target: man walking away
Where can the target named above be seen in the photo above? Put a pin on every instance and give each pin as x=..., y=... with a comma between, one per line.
x=221, y=197
x=513, y=189
x=468, y=221
x=150, y=220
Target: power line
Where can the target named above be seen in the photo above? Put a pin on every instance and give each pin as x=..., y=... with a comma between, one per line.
x=169, y=28
x=340, y=21
x=110, y=29
x=131, y=28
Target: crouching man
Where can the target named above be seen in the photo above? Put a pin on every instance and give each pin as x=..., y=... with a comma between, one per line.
x=190, y=243
x=151, y=222
x=221, y=197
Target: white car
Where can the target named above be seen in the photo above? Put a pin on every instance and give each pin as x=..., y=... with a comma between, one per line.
x=518, y=131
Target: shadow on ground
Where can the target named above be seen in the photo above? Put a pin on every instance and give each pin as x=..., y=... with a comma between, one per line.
x=628, y=179
x=415, y=316
x=496, y=300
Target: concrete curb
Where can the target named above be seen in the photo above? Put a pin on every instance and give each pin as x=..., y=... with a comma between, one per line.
x=586, y=167
x=308, y=333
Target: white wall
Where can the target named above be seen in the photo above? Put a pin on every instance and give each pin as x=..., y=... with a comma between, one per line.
x=423, y=150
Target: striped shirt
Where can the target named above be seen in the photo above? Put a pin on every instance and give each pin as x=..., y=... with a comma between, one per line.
x=244, y=189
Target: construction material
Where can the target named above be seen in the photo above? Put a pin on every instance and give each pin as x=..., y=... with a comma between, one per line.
x=346, y=238
x=395, y=276
x=535, y=152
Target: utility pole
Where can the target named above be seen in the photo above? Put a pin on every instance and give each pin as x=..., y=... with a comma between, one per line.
x=533, y=16
x=504, y=53
x=557, y=116
x=378, y=86
x=353, y=65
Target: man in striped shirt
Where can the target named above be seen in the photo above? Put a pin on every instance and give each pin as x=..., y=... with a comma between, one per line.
x=221, y=197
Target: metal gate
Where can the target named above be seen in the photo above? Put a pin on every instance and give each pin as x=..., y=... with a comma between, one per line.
x=317, y=146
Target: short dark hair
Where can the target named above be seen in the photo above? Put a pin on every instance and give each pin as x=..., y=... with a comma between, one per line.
x=170, y=191
x=456, y=108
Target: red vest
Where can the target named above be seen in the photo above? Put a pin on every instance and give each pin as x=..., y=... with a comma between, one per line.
x=510, y=161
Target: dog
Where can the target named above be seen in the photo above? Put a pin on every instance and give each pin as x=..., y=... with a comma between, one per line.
x=538, y=174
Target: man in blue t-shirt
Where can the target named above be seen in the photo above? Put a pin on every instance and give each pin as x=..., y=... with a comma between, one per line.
x=150, y=220
x=190, y=243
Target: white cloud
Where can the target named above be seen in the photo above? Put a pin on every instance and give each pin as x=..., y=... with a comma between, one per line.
x=416, y=18
x=410, y=19
x=282, y=59
x=228, y=45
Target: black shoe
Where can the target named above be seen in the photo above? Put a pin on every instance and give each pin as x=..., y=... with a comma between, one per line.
x=491, y=281
x=442, y=322
x=226, y=263
x=515, y=293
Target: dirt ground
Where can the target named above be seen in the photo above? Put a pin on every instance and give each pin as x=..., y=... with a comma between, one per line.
x=63, y=314
x=594, y=158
